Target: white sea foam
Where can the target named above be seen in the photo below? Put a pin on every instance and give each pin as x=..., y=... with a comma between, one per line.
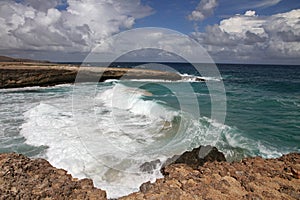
x=109, y=140
x=184, y=78
x=111, y=80
x=152, y=80
x=193, y=78
x=103, y=147
x=130, y=99
x=32, y=88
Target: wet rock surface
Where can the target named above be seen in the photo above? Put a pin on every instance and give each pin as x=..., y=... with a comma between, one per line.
x=197, y=157
x=23, y=178
x=194, y=158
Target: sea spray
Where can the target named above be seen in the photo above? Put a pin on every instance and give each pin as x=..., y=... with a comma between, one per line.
x=107, y=140
x=117, y=134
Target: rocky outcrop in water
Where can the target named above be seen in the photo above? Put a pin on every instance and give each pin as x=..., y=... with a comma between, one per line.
x=197, y=157
x=194, y=158
x=23, y=178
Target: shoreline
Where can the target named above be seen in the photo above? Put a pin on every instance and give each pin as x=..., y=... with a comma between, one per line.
x=250, y=178
x=22, y=74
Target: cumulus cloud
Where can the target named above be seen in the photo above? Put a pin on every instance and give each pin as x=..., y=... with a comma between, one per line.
x=253, y=38
x=39, y=25
x=204, y=9
x=42, y=5
x=149, y=44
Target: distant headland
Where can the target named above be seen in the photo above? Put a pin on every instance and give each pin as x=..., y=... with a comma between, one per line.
x=16, y=72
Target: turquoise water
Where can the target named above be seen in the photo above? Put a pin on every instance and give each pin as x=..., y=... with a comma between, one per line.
x=106, y=131
x=264, y=104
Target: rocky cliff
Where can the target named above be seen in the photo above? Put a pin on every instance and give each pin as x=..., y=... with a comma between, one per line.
x=251, y=178
x=23, y=178
x=13, y=75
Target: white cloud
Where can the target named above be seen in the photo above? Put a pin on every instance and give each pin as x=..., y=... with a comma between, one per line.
x=242, y=23
x=250, y=13
x=38, y=25
x=42, y=5
x=204, y=9
x=253, y=38
x=149, y=44
x=264, y=3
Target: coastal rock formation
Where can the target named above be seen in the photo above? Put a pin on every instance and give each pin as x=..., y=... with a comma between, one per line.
x=22, y=178
x=150, y=166
x=25, y=76
x=13, y=75
x=195, y=158
x=251, y=178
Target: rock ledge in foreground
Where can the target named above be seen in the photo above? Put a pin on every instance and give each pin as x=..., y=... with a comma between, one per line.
x=251, y=178
x=23, y=178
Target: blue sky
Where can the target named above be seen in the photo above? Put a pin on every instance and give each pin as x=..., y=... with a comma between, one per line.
x=173, y=14
x=241, y=31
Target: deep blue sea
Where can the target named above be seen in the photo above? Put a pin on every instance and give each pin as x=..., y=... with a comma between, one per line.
x=105, y=131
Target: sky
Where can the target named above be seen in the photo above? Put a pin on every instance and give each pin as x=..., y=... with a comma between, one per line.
x=240, y=31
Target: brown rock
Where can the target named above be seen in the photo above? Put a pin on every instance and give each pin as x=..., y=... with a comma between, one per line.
x=15, y=74
x=23, y=178
x=251, y=178
x=296, y=173
x=198, y=156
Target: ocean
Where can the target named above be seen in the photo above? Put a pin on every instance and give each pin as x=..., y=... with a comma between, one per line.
x=106, y=131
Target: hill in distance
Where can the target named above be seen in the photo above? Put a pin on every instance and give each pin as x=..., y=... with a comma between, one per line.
x=10, y=59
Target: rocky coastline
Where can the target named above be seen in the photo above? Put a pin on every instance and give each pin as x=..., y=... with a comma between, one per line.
x=202, y=173
x=25, y=74
x=188, y=176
